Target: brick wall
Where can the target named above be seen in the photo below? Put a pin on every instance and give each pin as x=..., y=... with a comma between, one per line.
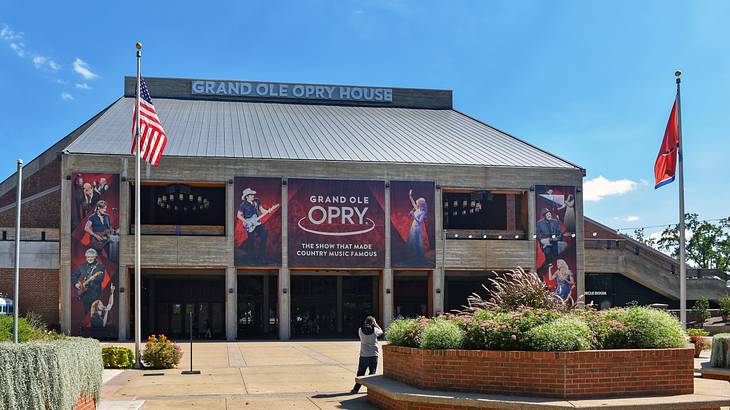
x=43, y=212
x=548, y=374
x=38, y=291
x=84, y=403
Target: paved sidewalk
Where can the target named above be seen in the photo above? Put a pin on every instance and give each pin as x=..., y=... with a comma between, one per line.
x=244, y=375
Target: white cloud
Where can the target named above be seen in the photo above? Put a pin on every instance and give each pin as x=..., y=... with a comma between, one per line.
x=19, y=49
x=39, y=61
x=82, y=68
x=6, y=33
x=600, y=187
x=632, y=218
x=66, y=96
x=83, y=86
x=54, y=65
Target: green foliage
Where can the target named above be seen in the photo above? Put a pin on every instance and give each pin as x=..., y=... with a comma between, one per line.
x=607, y=332
x=700, y=309
x=561, y=335
x=405, y=332
x=513, y=290
x=648, y=328
x=117, y=357
x=35, y=319
x=697, y=332
x=497, y=330
x=49, y=374
x=725, y=305
x=442, y=334
x=161, y=353
x=709, y=246
x=26, y=331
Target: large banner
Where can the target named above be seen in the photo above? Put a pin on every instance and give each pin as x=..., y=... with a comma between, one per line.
x=556, y=241
x=257, y=235
x=336, y=223
x=412, y=224
x=95, y=255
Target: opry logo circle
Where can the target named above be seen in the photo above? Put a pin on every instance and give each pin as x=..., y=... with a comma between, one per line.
x=337, y=215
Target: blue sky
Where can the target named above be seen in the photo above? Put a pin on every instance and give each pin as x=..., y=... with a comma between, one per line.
x=589, y=81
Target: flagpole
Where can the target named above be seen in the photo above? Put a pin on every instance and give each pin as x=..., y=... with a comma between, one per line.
x=682, y=245
x=16, y=285
x=137, y=227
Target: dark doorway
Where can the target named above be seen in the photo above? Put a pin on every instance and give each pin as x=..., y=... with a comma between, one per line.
x=169, y=300
x=257, y=307
x=331, y=306
x=410, y=294
x=461, y=285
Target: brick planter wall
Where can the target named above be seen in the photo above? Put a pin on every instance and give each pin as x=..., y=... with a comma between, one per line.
x=85, y=403
x=588, y=373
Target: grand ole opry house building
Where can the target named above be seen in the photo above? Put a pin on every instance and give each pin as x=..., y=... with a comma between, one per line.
x=284, y=210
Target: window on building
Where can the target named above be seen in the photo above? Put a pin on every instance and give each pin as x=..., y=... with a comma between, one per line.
x=491, y=213
x=181, y=209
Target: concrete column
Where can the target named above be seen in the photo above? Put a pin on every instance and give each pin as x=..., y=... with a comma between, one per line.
x=231, y=272
x=124, y=301
x=284, y=275
x=439, y=273
x=65, y=250
x=580, y=244
x=532, y=227
x=387, y=285
x=231, y=304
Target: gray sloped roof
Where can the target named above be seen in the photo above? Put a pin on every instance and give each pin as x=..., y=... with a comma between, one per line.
x=199, y=128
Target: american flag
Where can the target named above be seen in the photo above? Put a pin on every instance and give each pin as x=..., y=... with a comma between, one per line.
x=152, y=137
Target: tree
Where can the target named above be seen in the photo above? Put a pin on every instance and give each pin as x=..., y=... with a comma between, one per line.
x=707, y=246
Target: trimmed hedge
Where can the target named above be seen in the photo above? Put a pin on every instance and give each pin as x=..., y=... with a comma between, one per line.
x=49, y=374
x=115, y=357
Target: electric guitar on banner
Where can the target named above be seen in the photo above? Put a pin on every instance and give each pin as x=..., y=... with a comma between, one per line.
x=82, y=284
x=248, y=225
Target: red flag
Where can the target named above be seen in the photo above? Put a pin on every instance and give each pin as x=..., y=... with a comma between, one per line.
x=666, y=161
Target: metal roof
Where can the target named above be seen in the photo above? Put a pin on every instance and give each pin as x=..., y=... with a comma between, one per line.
x=236, y=129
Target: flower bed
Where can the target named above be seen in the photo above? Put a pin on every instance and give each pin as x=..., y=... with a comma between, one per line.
x=587, y=373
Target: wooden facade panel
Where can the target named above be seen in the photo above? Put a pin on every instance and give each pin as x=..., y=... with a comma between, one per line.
x=488, y=254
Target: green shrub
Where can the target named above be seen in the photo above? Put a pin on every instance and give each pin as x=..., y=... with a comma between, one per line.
x=117, y=357
x=35, y=319
x=26, y=331
x=492, y=330
x=697, y=332
x=648, y=328
x=700, y=310
x=405, y=332
x=49, y=374
x=725, y=306
x=563, y=334
x=442, y=333
x=607, y=332
x=161, y=353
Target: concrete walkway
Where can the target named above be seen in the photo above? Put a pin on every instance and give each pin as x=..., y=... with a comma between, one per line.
x=244, y=375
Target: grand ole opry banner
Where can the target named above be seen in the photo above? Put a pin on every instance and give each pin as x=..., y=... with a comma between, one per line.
x=336, y=223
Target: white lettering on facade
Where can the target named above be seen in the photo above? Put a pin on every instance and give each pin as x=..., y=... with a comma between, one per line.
x=276, y=90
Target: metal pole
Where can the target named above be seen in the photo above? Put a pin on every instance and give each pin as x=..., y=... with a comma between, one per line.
x=16, y=290
x=682, y=257
x=137, y=226
x=191, y=371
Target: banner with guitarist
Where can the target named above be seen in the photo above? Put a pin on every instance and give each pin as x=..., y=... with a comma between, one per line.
x=257, y=234
x=94, y=255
